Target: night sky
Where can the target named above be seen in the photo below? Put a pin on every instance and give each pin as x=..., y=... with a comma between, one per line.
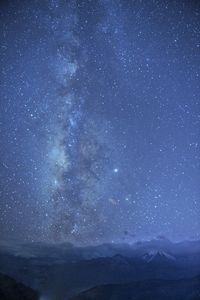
x=99, y=120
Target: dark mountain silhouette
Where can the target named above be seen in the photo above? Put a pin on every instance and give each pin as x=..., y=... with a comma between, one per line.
x=184, y=289
x=13, y=290
x=65, y=270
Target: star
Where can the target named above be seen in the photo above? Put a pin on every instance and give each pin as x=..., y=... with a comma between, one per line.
x=106, y=135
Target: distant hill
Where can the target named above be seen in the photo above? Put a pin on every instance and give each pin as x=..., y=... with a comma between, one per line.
x=69, y=252
x=185, y=289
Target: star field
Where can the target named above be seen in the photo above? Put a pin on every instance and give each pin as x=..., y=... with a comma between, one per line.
x=99, y=120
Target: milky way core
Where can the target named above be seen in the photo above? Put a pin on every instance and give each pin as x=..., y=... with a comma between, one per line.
x=99, y=120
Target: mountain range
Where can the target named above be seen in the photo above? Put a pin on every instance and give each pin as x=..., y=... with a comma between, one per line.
x=64, y=271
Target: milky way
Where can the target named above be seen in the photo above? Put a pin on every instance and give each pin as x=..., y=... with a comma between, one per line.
x=99, y=120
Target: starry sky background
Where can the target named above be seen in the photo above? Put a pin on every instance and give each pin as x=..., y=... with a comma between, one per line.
x=99, y=120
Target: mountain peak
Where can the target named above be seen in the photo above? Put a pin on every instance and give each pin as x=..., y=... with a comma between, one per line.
x=157, y=255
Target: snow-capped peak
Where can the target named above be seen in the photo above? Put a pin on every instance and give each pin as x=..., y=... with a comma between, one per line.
x=157, y=255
